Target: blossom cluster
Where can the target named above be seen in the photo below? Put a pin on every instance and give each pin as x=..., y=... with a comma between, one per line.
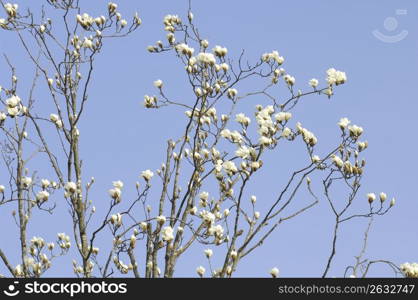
x=11, y=10
x=38, y=261
x=309, y=138
x=335, y=77
x=170, y=22
x=14, y=107
x=273, y=56
x=70, y=189
x=371, y=197
x=81, y=270
x=64, y=241
x=56, y=120
x=116, y=192
x=121, y=266
x=410, y=270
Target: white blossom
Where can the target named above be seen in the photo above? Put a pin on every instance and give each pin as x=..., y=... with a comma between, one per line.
x=362, y=145
x=150, y=101
x=170, y=38
x=265, y=141
x=37, y=242
x=286, y=132
x=274, y=272
x=112, y=7
x=273, y=56
x=226, y=133
x=167, y=233
x=230, y=167
x=42, y=28
x=220, y=51
x=335, y=77
x=205, y=120
x=224, y=67
x=337, y=161
x=2, y=116
x=70, y=187
x=204, y=196
x=410, y=270
x=115, y=193
x=161, y=219
x=290, y=80
x=207, y=216
x=123, y=23
x=45, y=183
x=88, y=43
x=283, y=116
x=143, y=226
x=204, y=43
x=170, y=21
x=309, y=138
x=355, y=131
x=3, y=23
x=313, y=82
x=42, y=196
x=147, y=175
x=233, y=136
x=206, y=58
x=234, y=254
x=13, y=111
x=53, y=117
x=26, y=181
x=200, y=271
x=243, y=152
x=116, y=219
x=11, y=9
x=151, y=49
x=193, y=210
x=158, y=83
x=315, y=159
x=344, y=122
x=18, y=271
x=371, y=197
x=184, y=49
x=100, y=20
x=242, y=119
x=13, y=101
x=208, y=253
x=61, y=236
x=219, y=230
x=255, y=165
x=232, y=93
x=117, y=184
x=85, y=20
x=329, y=92
x=51, y=246
x=392, y=202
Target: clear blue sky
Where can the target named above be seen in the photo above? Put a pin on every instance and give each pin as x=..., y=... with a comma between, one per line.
x=120, y=138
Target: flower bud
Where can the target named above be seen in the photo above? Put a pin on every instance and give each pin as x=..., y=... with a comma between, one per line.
x=371, y=197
